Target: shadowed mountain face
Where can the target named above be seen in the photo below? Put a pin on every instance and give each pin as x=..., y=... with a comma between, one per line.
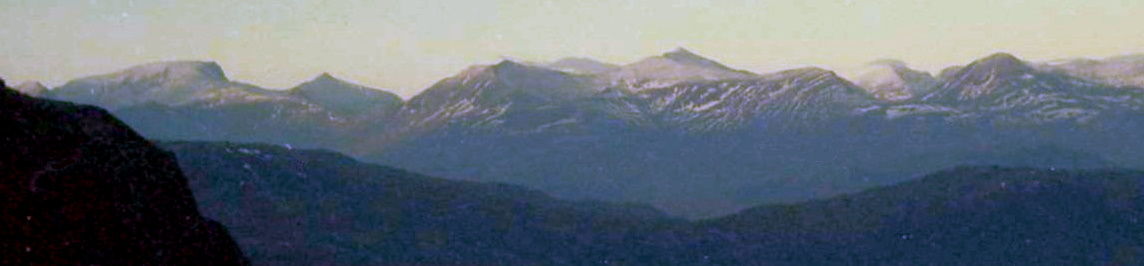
x=968, y=215
x=346, y=98
x=81, y=188
x=304, y=207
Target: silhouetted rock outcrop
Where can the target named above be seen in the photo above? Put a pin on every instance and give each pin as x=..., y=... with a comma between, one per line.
x=81, y=188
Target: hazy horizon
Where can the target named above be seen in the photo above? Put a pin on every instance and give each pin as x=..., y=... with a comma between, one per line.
x=405, y=46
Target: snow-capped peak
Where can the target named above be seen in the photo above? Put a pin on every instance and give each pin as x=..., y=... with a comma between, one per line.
x=176, y=71
x=893, y=80
x=168, y=83
x=508, y=81
x=982, y=77
x=673, y=67
x=581, y=65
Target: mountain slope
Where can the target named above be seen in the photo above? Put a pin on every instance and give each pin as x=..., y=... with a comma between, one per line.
x=978, y=215
x=673, y=67
x=346, y=98
x=893, y=80
x=1125, y=70
x=703, y=148
x=279, y=122
x=1003, y=88
x=798, y=96
x=81, y=188
x=484, y=96
x=168, y=83
x=316, y=207
x=342, y=212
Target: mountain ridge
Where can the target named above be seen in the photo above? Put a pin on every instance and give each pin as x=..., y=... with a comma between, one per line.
x=524, y=123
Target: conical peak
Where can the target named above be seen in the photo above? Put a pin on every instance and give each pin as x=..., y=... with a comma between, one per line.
x=679, y=51
x=505, y=67
x=1001, y=60
x=1002, y=64
x=506, y=63
x=684, y=56
x=325, y=79
x=1001, y=56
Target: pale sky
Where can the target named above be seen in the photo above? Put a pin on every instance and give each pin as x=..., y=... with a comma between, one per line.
x=406, y=45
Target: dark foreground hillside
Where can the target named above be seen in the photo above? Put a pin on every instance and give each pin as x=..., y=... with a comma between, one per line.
x=78, y=187
x=305, y=207
x=968, y=215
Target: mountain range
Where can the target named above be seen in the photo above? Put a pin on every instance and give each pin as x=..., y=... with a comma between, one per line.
x=1119, y=71
x=291, y=206
x=682, y=132
x=284, y=205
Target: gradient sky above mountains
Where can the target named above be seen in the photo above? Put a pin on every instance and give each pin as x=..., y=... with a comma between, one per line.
x=406, y=45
